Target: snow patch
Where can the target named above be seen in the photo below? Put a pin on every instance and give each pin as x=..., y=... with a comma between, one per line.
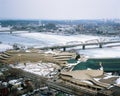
x=117, y=81
x=4, y=47
x=42, y=69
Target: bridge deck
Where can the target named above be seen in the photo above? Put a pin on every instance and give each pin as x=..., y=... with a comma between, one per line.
x=81, y=44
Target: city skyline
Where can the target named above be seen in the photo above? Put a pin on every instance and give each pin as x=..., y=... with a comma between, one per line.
x=59, y=9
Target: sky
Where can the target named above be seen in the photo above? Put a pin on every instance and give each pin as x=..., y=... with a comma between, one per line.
x=59, y=9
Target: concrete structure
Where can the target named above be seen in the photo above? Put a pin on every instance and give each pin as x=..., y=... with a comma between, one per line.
x=100, y=44
x=83, y=83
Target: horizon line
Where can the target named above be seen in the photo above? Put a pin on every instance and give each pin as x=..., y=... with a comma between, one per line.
x=60, y=19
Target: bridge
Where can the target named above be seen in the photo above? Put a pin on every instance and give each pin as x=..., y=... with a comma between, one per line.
x=83, y=44
x=9, y=30
x=5, y=29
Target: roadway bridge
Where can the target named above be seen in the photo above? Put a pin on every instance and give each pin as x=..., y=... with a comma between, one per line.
x=11, y=30
x=84, y=44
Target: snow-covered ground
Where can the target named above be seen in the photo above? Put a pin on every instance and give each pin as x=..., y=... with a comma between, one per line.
x=60, y=39
x=106, y=52
x=4, y=47
x=42, y=69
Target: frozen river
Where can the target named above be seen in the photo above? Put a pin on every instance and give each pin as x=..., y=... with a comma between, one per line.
x=46, y=39
x=29, y=39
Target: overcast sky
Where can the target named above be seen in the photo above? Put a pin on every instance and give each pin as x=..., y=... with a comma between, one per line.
x=59, y=9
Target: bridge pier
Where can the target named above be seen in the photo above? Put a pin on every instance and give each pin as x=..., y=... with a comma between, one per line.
x=64, y=49
x=83, y=47
x=100, y=45
x=52, y=49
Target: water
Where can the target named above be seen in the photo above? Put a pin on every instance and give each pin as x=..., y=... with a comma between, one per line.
x=15, y=38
